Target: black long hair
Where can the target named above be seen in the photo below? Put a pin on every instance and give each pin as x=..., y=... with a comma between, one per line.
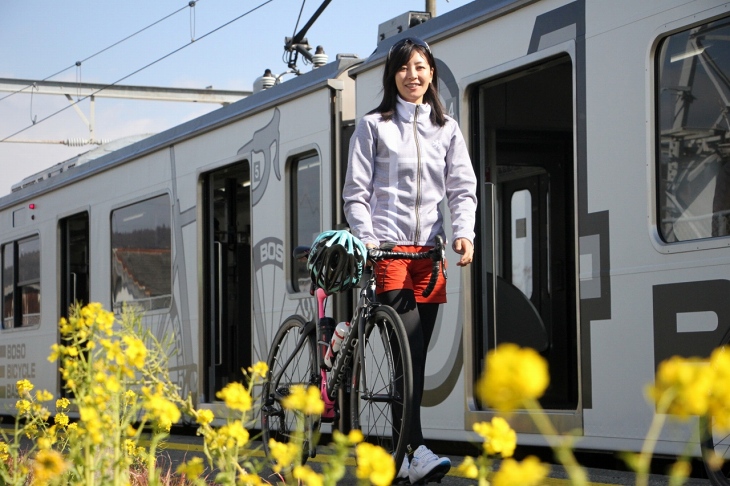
x=398, y=56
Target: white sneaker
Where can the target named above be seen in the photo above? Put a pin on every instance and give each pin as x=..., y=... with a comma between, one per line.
x=402, y=476
x=426, y=466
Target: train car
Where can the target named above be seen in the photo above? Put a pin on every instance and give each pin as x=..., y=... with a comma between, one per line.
x=191, y=226
x=598, y=133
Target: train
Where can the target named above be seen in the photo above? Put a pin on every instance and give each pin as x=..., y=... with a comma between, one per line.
x=600, y=137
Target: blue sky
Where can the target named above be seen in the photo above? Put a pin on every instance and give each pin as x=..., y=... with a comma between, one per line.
x=41, y=37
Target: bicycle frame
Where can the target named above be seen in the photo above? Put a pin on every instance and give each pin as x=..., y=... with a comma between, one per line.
x=333, y=380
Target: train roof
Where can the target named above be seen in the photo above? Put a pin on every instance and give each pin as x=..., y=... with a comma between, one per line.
x=446, y=25
x=280, y=93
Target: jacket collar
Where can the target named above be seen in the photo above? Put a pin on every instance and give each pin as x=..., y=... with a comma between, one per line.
x=407, y=110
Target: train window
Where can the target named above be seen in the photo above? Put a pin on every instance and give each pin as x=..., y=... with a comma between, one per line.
x=8, y=285
x=21, y=283
x=522, y=241
x=142, y=255
x=305, y=211
x=693, y=133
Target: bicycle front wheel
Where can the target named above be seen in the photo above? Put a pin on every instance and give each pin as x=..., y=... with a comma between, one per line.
x=292, y=361
x=382, y=383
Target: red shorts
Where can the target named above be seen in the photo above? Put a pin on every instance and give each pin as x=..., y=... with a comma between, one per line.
x=410, y=274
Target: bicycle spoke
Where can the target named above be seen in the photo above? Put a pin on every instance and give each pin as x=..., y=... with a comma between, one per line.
x=289, y=365
x=380, y=375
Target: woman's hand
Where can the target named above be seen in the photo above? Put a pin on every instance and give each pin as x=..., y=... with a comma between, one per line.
x=464, y=247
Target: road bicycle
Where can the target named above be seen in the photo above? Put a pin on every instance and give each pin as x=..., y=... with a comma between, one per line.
x=370, y=381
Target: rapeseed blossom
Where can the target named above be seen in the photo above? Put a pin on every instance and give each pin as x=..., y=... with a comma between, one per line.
x=159, y=409
x=499, y=438
x=468, y=468
x=236, y=397
x=48, y=466
x=307, y=476
x=512, y=375
x=686, y=383
x=135, y=352
x=529, y=472
x=24, y=387
x=719, y=404
x=374, y=464
x=284, y=454
x=204, y=416
x=260, y=369
x=307, y=400
x=193, y=468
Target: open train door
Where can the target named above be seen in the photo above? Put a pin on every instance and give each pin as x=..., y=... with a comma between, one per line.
x=525, y=274
x=227, y=247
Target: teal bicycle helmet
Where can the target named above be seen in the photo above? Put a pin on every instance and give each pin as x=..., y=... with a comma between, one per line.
x=336, y=261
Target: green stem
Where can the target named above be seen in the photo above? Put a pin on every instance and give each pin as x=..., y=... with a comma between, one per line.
x=563, y=450
x=647, y=448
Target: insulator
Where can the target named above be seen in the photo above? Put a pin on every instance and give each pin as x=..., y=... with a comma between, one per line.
x=76, y=142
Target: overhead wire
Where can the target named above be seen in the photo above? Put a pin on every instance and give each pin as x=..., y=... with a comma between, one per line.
x=77, y=64
x=138, y=70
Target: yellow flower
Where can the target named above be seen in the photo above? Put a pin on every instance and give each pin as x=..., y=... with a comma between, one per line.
x=353, y=437
x=307, y=476
x=62, y=403
x=43, y=395
x=259, y=369
x=511, y=376
x=468, y=468
x=4, y=451
x=23, y=387
x=193, y=468
x=307, y=400
x=61, y=419
x=236, y=397
x=44, y=443
x=162, y=411
x=136, y=351
x=48, y=465
x=284, y=454
x=499, y=438
x=23, y=406
x=529, y=472
x=246, y=479
x=236, y=432
x=374, y=464
x=719, y=404
x=92, y=424
x=686, y=383
x=204, y=416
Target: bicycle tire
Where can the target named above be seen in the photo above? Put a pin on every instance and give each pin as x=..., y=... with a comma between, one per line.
x=277, y=422
x=388, y=389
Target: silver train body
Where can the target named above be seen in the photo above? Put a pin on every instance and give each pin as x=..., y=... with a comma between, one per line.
x=599, y=135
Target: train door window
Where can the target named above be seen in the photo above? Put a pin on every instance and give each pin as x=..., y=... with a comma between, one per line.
x=305, y=213
x=141, y=255
x=228, y=283
x=521, y=209
x=74, y=234
x=693, y=133
x=525, y=268
x=21, y=282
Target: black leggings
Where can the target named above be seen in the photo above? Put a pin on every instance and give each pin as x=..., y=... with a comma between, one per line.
x=419, y=321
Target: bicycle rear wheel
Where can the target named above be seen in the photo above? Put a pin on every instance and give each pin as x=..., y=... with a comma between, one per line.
x=382, y=383
x=715, y=452
x=292, y=361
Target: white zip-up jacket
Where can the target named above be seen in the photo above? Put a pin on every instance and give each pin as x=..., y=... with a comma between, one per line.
x=399, y=172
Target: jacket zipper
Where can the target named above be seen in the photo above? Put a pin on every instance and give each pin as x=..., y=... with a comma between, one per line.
x=418, y=178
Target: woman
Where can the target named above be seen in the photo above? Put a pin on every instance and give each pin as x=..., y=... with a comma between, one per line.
x=406, y=156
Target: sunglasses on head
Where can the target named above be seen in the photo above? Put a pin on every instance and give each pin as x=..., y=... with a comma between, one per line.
x=408, y=40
